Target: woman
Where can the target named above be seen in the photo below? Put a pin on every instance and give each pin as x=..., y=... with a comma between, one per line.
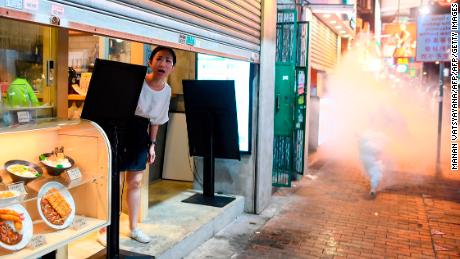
x=151, y=112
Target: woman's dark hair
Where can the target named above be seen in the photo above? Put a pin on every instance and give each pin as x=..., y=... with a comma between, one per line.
x=160, y=48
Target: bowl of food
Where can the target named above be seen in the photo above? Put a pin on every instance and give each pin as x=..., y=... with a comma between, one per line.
x=7, y=196
x=21, y=170
x=56, y=162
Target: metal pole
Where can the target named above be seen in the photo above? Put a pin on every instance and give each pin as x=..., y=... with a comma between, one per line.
x=441, y=97
x=113, y=231
x=208, y=161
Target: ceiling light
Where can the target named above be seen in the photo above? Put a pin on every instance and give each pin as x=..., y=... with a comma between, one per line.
x=332, y=22
x=342, y=32
x=338, y=27
x=326, y=15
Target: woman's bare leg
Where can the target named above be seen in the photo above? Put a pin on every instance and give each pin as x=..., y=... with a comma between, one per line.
x=134, y=181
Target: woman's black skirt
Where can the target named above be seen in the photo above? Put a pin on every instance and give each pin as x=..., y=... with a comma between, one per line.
x=133, y=156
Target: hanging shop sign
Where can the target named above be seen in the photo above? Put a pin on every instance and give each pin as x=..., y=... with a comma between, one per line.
x=399, y=40
x=433, y=38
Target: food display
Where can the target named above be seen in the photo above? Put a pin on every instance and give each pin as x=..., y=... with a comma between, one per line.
x=56, y=159
x=15, y=227
x=56, y=162
x=7, y=197
x=55, y=185
x=55, y=208
x=56, y=205
x=8, y=194
x=21, y=170
x=10, y=233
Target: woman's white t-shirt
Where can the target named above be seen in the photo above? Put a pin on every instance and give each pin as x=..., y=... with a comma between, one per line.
x=154, y=105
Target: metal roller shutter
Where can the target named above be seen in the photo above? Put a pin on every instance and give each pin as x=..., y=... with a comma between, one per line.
x=227, y=27
x=323, y=50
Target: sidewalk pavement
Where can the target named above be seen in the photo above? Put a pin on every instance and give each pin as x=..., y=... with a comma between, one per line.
x=331, y=215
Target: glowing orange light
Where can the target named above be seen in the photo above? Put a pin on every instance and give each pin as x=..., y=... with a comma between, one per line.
x=446, y=2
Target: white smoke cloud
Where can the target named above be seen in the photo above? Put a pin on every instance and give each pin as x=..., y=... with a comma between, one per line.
x=404, y=111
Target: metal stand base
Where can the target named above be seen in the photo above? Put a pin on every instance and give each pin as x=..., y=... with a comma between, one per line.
x=123, y=254
x=214, y=201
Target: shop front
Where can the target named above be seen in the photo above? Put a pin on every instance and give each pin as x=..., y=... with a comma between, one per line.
x=309, y=38
x=332, y=24
x=48, y=50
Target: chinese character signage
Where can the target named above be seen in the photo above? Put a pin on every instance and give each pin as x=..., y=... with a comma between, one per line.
x=399, y=40
x=433, y=38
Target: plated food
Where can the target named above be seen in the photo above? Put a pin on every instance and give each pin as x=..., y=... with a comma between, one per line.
x=10, y=234
x=8, y=194
x=7, y=197
x=56, y=162
x=55, y=205
x=21, y=170
x=16, y=227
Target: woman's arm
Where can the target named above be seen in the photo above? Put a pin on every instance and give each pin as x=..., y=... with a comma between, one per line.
x=153, y=137
x=153, y=132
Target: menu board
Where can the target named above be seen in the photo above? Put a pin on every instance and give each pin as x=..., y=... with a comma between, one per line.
x=218, y=68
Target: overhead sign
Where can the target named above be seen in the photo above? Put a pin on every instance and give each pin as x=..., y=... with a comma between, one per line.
x=433, y=38
x=399, y=40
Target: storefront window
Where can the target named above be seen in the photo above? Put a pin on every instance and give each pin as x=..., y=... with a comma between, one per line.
x=84, y=48
x=119, y=50
x=27, y=71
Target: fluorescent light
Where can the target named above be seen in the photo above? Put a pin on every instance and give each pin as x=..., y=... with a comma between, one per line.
x=342, y=31
x=332, y=22
x=338, y=27
x=326, y=15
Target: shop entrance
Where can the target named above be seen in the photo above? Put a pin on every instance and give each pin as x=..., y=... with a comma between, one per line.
x=317, y=86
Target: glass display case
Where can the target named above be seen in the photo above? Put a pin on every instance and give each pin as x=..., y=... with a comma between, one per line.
x=27, y=68
x=55, y=185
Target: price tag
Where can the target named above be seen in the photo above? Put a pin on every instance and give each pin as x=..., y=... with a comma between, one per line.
x=74, y=173
x=19, y=187
x=23, y=116
x=37, y=241
x=79, y=223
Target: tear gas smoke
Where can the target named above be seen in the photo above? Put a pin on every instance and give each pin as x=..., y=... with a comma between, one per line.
x=361, y=95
